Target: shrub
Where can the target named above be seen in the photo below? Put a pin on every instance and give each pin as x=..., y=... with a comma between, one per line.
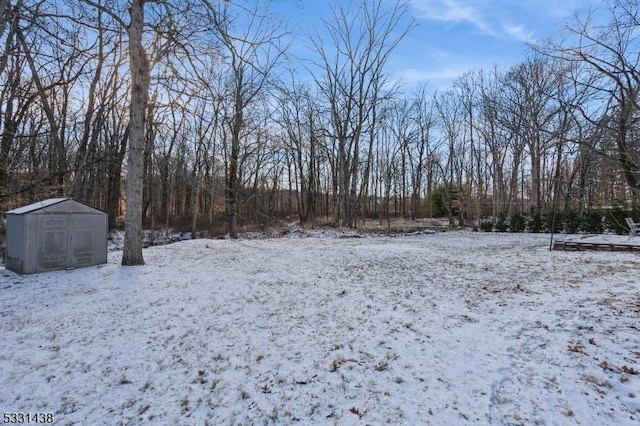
x=486, y=226
x=437, y=201
x=517, y=223
x=572, y=222
x=592, y=222
x=553, y=222
x=501, y=224
x=534, y=223
x=615, y=220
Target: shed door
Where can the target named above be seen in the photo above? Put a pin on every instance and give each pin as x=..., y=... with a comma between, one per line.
x=82, y=240
x=66, y=241
x=52, y=242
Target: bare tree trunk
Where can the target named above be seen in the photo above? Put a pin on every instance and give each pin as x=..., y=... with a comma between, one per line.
x=139, y=68
x=231, y=192
x=194, y=206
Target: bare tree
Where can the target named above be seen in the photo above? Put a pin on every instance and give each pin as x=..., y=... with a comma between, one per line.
x=611, y=52
x=140, y=75
x=350, y=76
x=14, y=89
x=532, y=85
x=495, y=137
x=451, y=118
x=169, y=39
x=298, y=116
x=423, y=149
x=254, y=46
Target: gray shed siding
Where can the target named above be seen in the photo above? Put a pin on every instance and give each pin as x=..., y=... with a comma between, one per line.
x=15, y=239
x=55, y=234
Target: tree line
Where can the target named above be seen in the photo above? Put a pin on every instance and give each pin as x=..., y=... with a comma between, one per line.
x=195, y=113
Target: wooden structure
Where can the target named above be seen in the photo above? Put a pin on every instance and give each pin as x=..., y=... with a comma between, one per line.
x=598, y=243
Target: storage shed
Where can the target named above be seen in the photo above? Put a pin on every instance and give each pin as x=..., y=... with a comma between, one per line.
x=57, y=233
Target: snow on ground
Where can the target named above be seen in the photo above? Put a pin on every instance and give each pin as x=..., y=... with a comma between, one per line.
x=445, y=329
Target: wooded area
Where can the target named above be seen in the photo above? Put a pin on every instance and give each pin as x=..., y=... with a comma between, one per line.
x=225, y=132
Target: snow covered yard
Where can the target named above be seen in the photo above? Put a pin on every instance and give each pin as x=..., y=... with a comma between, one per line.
x=445, y=329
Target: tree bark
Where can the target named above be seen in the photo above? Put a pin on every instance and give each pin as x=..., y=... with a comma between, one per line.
x=139, y=68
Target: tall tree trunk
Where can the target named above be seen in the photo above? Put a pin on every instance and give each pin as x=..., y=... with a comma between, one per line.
x=114, y=175
x=139, y=68
x=233, y=182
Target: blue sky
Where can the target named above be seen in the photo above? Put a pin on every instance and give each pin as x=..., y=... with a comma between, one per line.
x=456, y=36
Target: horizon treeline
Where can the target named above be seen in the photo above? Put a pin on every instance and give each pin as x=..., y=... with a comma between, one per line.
x=236, y=135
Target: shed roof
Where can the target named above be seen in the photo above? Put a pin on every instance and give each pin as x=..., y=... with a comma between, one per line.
x=37, y=206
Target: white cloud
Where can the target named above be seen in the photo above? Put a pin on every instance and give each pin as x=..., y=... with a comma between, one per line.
x=416, y=75
x=520, y=33
x=496, y=18
x=454, y=11
x=436, y=79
